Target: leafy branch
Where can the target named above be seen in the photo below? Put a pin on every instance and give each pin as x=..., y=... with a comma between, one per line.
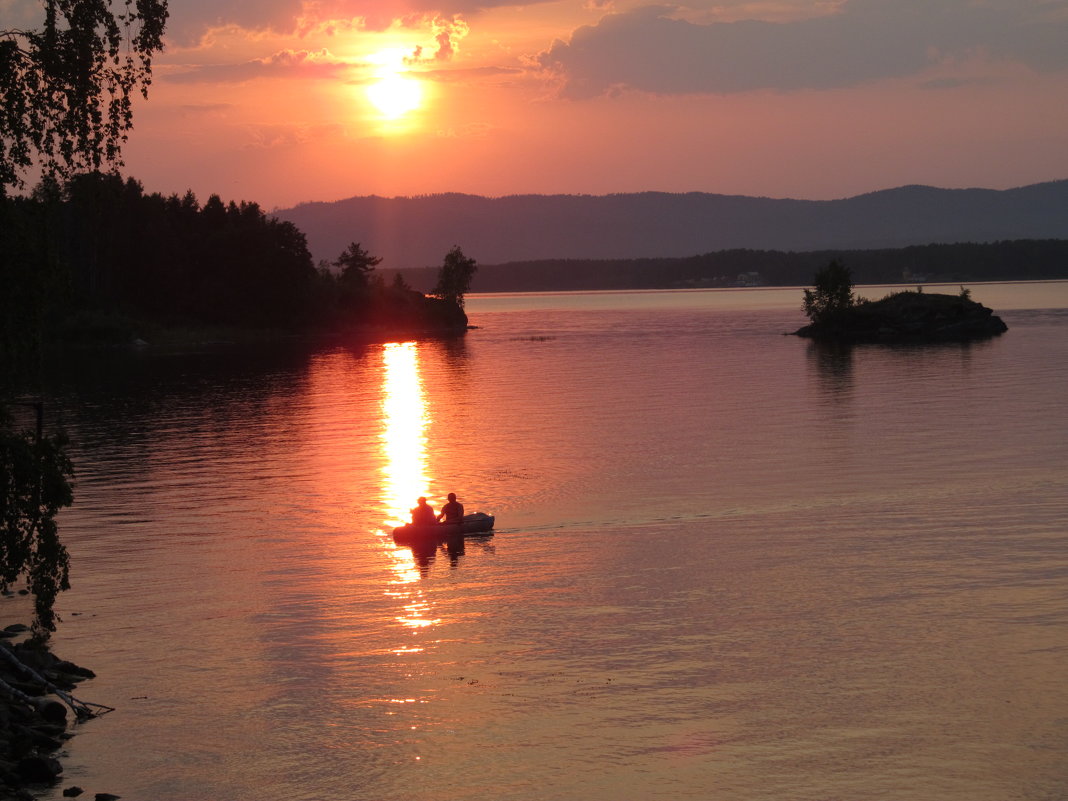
x=66, y=90
x=34, y=485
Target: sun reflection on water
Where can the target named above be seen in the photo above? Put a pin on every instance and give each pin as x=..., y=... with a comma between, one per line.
x=404, y=449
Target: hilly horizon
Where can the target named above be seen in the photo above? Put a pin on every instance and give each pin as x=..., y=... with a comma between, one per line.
x=410, y=232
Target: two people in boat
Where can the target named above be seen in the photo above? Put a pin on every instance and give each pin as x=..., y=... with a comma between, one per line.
x=451, y=512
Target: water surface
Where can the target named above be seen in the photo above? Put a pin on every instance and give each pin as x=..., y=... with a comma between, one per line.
x=728, y=564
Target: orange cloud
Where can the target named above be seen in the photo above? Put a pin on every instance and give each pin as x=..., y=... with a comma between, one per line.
x=265, y=137
x=191, y=20
x=306, y=63
x=447, y=33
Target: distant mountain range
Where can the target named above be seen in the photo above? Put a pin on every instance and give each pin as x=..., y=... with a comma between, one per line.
x=412, y=232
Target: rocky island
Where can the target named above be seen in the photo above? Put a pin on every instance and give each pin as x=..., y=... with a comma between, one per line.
x=905, y=317
x=837, y=315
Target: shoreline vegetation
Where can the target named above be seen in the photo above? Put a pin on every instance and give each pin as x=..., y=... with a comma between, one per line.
x=95, y=259
x=937, y=263
x=112, y=331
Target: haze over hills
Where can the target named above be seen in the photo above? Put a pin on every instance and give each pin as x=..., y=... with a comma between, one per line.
x=418, y=231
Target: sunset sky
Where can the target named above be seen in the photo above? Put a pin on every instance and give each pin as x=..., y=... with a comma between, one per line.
x=282, y=101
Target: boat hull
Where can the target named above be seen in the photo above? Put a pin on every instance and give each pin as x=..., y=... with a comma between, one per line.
x=474, y=525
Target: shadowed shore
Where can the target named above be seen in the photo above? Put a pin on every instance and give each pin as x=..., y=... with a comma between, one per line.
x=35, y=707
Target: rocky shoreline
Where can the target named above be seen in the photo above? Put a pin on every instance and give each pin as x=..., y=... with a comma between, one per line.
x=35, y=708
x=907, y=318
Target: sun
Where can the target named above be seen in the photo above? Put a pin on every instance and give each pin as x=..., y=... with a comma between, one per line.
x=393, y=92
x=395, y=95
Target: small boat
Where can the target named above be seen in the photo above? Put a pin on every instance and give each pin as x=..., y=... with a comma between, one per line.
x=473, y=525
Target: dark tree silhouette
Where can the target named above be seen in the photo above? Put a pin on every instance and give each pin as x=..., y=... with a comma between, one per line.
x=66, y=104
x=833, y=292
x=66, y=89
x=34, y=485
x=356, y=266
x=454, y=277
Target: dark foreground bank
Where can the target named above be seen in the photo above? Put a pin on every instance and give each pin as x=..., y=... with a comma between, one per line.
x=36, y=709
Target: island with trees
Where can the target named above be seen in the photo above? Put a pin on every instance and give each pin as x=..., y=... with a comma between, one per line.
x=838, y=315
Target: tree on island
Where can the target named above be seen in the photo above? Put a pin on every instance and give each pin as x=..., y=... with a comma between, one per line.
x=454, y=277
x=355, y=266
x=833, y=293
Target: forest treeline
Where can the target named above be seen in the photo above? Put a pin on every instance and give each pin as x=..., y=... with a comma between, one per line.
x=1016, y=260
x=97, y=258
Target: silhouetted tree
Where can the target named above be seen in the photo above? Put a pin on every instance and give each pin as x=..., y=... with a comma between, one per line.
x=355, y=265
x=34, y=485
x=66, y=88
x=65, y=105
x=33, y=281
x=454, y=277
x=833, y=292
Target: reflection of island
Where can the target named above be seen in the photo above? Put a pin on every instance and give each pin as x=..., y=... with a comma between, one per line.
x=833, y=363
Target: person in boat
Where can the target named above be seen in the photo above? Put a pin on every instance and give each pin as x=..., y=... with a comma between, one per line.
x=453, y=511
x=423, y=514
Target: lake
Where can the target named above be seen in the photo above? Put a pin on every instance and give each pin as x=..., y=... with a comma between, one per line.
x=728, y=563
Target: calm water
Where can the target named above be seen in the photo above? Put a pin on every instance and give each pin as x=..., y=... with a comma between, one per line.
x=728, y=564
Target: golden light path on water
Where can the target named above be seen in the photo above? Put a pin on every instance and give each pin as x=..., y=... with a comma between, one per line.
x=405, y=466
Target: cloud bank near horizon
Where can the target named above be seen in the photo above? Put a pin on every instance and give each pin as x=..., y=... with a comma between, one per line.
x=653, y=49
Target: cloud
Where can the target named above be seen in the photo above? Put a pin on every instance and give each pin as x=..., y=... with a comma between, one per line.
x=651, y=49
x=270, y=137
x=954, y=83
x=305, y=63
x=474, y=130
x=21, y=14
x=469, y=74
x=191, y=20
x=447, y=33
x=205, y=109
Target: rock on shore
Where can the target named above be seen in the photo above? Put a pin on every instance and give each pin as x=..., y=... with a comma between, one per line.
x=33, y=724
x=909, y=317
